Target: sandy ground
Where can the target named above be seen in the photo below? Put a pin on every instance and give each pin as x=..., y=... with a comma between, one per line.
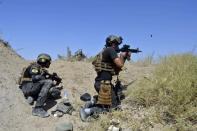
x=78, y=78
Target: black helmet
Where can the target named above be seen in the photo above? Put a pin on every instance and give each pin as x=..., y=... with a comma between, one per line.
x=43, y=58
x=113, y=39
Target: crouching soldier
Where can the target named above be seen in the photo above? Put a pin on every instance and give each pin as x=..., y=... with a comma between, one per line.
x=107, y=64
x=36, y=85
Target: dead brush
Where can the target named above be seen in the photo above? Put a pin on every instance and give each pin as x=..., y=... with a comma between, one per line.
x=100, y=124
x=172, y=89
x=120, y=115
x=115, y=117
x=149, y=59
x=4, y=43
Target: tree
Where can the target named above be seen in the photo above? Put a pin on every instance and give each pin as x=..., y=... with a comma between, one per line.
x=68, y=53
x=1, y=35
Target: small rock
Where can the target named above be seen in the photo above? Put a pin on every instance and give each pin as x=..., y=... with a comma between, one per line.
x=114, y=122
x=113, y=128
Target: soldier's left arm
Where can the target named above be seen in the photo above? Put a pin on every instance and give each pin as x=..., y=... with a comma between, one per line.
x=36, y=74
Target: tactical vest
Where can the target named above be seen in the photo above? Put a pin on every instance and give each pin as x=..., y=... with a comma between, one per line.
x=25, y=77
x=104, y=66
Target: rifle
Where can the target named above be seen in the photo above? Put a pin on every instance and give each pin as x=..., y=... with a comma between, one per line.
x=126, y=48
x=119, y=88
x=53, y=76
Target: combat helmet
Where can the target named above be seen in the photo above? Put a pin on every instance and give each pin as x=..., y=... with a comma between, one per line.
x=43, y=58
x=113, y=39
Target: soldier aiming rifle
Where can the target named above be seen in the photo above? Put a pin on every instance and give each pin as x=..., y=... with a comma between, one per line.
x=126, y=49
x=107, y=64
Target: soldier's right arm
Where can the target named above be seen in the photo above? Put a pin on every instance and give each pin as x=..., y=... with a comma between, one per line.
x=120, y=61
x=35, y=73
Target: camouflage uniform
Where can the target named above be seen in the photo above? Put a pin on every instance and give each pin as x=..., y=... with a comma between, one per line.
x=34, y=84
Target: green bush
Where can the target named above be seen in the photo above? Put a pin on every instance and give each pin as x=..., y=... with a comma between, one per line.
x=172, y=90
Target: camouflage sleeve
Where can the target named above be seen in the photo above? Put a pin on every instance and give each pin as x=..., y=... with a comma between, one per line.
x=36, y=74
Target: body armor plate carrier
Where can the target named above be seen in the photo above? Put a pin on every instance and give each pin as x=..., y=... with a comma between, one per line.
x=100, y=66
x=27, y=79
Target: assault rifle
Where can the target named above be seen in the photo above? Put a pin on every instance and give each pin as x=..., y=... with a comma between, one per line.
x=119, y=89
x=126, y=48
x=53, y=76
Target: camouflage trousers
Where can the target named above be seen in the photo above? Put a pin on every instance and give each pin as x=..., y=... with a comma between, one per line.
x=40, y=91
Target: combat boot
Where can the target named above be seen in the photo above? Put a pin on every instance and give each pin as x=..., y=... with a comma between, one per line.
x=30, y=100
x=39, y=111
x=89, y=104
x=83, y=114
x=92, y=103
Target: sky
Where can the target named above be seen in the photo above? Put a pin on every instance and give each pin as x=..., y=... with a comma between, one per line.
x=50, y=26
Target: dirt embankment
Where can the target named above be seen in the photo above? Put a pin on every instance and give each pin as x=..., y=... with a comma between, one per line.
x=78, y=78
x=10, y=97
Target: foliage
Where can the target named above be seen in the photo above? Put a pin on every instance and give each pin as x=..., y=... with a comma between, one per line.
x=90, y=59
x=172, y=91
x=69, y=54
x=6, y=44
x=78, y=56
x=61, y=57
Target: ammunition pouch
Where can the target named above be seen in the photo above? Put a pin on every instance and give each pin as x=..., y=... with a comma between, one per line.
x=104, y=97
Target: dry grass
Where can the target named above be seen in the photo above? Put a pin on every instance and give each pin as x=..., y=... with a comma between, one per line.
x=165, y=101
x=172, y=91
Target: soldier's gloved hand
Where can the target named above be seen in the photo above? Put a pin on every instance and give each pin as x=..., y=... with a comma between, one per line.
x=45, y=73
x=47, y=76
x=129, y=54
x=54, y=82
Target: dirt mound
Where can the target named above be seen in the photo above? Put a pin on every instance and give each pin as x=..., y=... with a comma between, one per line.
x=11, y=64
x=78, y=78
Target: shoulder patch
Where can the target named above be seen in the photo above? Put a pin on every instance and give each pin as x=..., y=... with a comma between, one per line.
x=35, y=70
